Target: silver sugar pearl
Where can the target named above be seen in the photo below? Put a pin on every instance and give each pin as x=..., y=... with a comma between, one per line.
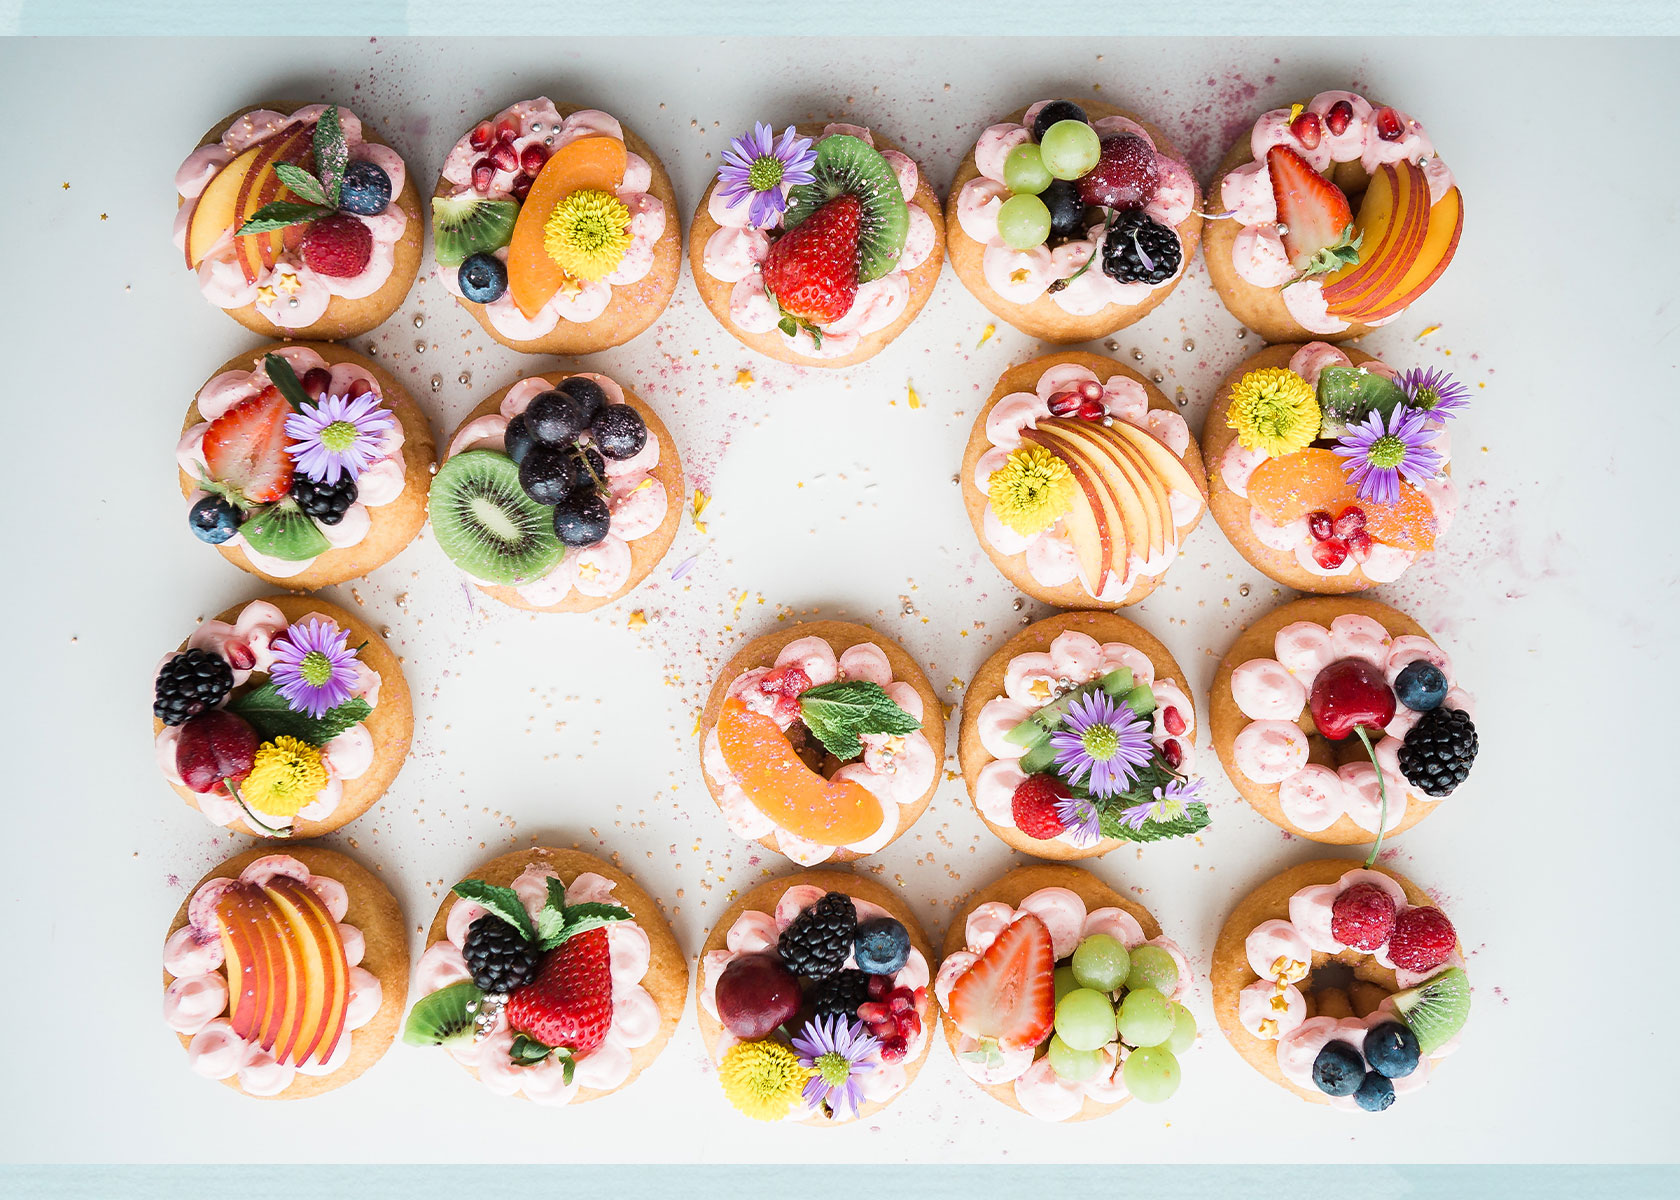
x=1138, y=355
x=420, y=347
x=419, y=320
x=1017, y=604
x=464, y=377
x=1188, y=344
x=1243, y=590
x=437, y=383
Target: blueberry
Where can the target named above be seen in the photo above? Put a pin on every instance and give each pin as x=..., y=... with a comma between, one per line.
x=589, y=392
x=557, y=418
x=1374, y=1093
x=1056, y=110
x=1338, y=1069
x=1392, y=1050
x=214, y=519
x=882, y=946
x=517, y=441
x=483, y=278
x=365, y=190
x=582, y=519
x=619, y=431
x=547, y=474
x=1421, y=685
x=1067, y=210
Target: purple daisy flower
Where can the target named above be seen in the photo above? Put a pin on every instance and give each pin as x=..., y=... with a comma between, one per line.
x=836, y=1053
x=338, y=435
x=1433, y=391
x=1078, y=815
x=758, y=166
x=1170, y=802
x=314, y=668
x=1105, y=741
x=1378, y=456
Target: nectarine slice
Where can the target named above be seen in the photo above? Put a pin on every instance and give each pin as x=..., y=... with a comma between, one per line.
x=1314, y=480
x=587, y=164
x=829, y=812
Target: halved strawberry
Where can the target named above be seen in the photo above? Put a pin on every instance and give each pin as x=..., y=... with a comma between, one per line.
x=245, y=447
x=569, y=1003
x=1009, y=996
x=812, y=269
x=1312, y=211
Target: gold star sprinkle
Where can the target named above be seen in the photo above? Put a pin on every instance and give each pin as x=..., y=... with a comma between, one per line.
x=288, y=282
x=743, y=378
x=637, y=620
x=265, y=295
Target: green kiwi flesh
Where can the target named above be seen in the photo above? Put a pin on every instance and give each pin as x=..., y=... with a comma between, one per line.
x=444, y=1018
x=465, y=225
x=486, y=523
x=850, y=166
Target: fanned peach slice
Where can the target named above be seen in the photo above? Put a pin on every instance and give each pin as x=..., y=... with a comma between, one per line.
x=587, y=164
x=829, y=812
x=1314, y=480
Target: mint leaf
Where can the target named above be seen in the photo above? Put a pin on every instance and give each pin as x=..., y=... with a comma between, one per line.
x=581, y=918
x=837, y=713
x=502, y=901
x=307, y=187
x=332, y=153
x=551, y=918
x=1348, y=395
x=285, y=380
x=272, y=716
x=1195, y=817
x=284, y=531
x=526, y=1050
x=281, y=214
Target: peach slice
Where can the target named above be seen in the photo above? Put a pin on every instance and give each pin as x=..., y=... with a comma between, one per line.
x=833, y=812
x=1440, y=243
x=587, y=164
x=324, y=969
x=1393, y=221
x=1313, y=480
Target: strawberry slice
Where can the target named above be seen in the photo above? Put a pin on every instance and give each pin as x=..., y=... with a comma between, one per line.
x=1312, y=211
x=569, y=1003
x=245, y=447
x=812, y=270
x=1009, y=996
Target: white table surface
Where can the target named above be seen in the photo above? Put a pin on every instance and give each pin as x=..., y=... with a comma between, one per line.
x=1554, y=592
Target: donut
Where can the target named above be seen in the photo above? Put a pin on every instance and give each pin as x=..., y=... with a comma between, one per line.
x=562, y=314
x=768, y=777
x=1289, y=771
x=1129, y=463
x=1375, y=213
x=321, y=907
x=728, y=246
x=1046, y=660
x=1303, y=522
x=888, y=1032
x=643, y=492
x=1066, y=905
x=389, y=505
x=214, y=690
x=264, y=281
x=1284, y=985
x=649, y=980
x=1015, y=284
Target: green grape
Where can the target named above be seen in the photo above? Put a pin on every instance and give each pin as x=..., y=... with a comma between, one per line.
x=1075, y=1066
x=1101, y=962
x=1153, y=967
x=1070, y=149
x=1184, y=1030
x=1085, y=1019
x=1023, y=222
x=1150, y=1074
x=1146, y=1018
x=1065, y=982
x=1023, y=171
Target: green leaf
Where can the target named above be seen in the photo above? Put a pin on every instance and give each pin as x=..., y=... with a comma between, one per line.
x=282, y=214
x=1348, y=395
x=284, y=531
x=272, y=716
x=285, y=380
x=527, y=1051
x=581, y=918
x=502, y=901
x=332, y=153
x=788, y=326
x=551, y=917
x=837, y=713
x=307, y=187
x=1195, y=817
x=1344, y=253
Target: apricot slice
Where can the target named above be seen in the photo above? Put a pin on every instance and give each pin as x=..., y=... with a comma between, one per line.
x=1314, y=480
x=829, y=812
x=587, y=164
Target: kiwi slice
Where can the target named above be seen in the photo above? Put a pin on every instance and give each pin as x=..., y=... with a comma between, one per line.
x=487, y=524
x=1437, y=1009
x=284, y=531
x=849, y=166
x=466, y=225
x=444, y=1018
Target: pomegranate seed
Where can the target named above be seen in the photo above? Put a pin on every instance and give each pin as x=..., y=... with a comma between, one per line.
x=893, y=1049
x=507, y=129
x=521, y=187
x=479, y=138
x=1091, y=390
x=879, y=986
x=1350, y=522
x=911, y=1025
x=1319, y=525
x=1172, y=752
x=360, y=388
x=1065, y=404
x=1330, y=553
x=505, y=156
x=483, y=172
x=1336, y=120
x=315, y=382
x=1306, y=129
x=900, y=1005
x=532, y=158
x=871, y=1013
x=1389, y=125
x=1359, y=545
x=1092, y=410
x=1173, y=720
x=239, y=656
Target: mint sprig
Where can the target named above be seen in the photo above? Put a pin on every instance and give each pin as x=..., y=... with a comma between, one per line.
x=1194, y=819
x=307, y=187
x=503, y=902
x=319, y=192
x=285, y=380
x=281, y=214
x=838, y=713
x=272, y=716
x=332, y=153
x=559, y=922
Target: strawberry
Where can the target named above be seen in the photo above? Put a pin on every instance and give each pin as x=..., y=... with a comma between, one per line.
x=1034, y=806
x=245, y=447
x=1313, y=213
x=812, y=269
x=1009, y=996
x=569, y=1003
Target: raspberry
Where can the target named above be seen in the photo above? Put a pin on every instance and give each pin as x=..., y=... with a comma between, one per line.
x=1034, y=806
x=1423, y=939
x=338, y=246
x=1362, y=917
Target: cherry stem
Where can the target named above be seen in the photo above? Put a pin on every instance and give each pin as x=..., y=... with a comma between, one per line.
x=251, y=816
x=1382, y=796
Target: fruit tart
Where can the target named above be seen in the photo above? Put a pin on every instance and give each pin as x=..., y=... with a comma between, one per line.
x=299, y=221
x=1081, y=480
x=1327, y=469
x=559, y=493
x=305, y=464
x=549, y=975
x=814, y=998
x=285, y=974
x=1340, y=720
x=285, y=717
x=823, y=742
x=1329, y=218
x=1342, y=983
x=555, y=226
x=1079, y=735
x=818, y=245
x=1070, y=221
x=1061, y=997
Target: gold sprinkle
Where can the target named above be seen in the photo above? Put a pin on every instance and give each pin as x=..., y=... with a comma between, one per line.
x=265, y=295
x=636, y=620
x=743, y=378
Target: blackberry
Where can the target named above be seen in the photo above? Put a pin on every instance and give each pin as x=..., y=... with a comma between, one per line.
x=499, y=957
x=820, y=938
x=189, y=683
x=840, y=994
x=1134, y=236
x=1438, y=751
x=326, y=502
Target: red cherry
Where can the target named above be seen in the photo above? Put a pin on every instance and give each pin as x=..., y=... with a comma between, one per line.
x=755, y=994
x=507, y=129
x=1336, y=120
x=532, y=158
x=505, y=156
x=482, y=173
x=1319, y=525
x=214, y=746
x=1125, y=175
x=1347, y=693
x=1350, y=522
x=1173, y=720
x=1359, y=545
x=479, y=138
x=521, y=186
x=315, y=382
x=1306, y=129
x=1389, y=125
x=1065, y=404
x=1330, y=553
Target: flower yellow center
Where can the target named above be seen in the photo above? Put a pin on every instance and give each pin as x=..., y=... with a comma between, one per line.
x=316, y=668
x=340, y=435
x=834, y=1068
x=1031, y=491
x=588, y=234
x=285, y=776
x=1100, y=742
x=1275, y=411
x=765, y=173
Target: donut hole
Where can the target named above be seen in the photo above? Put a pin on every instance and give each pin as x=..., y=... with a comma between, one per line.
x=811, y=751
x=1348, y=984
x=1350, y=176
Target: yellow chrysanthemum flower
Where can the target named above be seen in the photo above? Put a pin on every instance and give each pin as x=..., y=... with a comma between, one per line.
x=1031, y=490
x=588, y=234
x=286, y=775
x=1274, y=410
x=762, y=1079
